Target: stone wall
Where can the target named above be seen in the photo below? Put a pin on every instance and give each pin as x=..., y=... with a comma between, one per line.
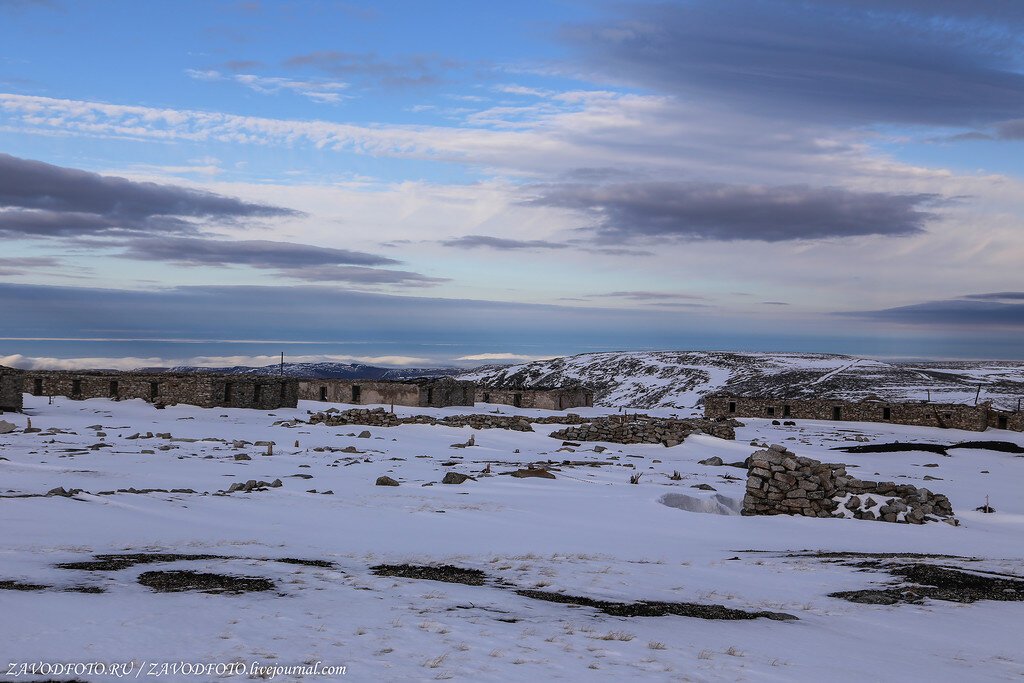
x=1006, y=419
x=379, y=417
x=945, y=415
x=781, y=483
x=646, y=429
x=208, y=390
x=10, y=389
x=554, y=398
x=427, y=392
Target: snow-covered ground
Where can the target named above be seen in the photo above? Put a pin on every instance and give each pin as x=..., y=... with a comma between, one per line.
x=588, y=532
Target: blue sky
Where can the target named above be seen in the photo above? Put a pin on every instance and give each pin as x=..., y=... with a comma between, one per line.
x=416, y=183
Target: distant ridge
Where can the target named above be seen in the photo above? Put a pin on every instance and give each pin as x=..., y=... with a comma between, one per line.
x=323, y=371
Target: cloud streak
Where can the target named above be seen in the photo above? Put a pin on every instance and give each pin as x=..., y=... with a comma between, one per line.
x=39, y=199
x=942, y=63
x=625, y=212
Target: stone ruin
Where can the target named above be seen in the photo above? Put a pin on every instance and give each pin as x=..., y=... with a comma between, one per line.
x=630, y=429
x=379, y=417
x=782, y=483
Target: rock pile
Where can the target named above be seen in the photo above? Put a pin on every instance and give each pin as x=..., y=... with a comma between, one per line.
x=781, y=483
x=379, y=417
x=645, y=429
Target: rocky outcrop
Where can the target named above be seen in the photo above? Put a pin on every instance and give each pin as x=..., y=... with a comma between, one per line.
x=646, y=429
x=781, y=483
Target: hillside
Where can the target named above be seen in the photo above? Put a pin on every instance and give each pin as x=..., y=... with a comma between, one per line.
x=677, y=379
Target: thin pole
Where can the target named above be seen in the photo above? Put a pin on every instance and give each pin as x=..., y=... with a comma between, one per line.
x=282, y=363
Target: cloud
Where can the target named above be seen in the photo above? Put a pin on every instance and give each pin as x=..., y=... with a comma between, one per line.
x=361, y=276
x=39, y=199
x=944, y=63
x=709, y=211
x=258, y=253
x=997, y=296
x=243, y=64
x=649, y=296
x=317, y=91
x=952, y=313
x=500, y=243
x=23, y=264
x=295, y=261
x=408, y=71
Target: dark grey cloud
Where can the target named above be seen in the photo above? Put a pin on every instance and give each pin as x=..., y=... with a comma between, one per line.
x=20, y=265
x=243, y=64
x=711, y=211
x=775, y=303
x=1010, y=130
x=946, y=63
x=500, y=243
x=997, y=296
x=360, y=276
x=649, y=296
x=259, y=253
x=409, y=71
x=39, y=199
x=953, y=313
x=296, y=261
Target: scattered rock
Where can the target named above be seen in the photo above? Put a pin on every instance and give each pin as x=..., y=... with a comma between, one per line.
x=386, y=481
x=455, y=478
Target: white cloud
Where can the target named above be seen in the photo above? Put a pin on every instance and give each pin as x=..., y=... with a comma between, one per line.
x=317, y=90
x=503, y=356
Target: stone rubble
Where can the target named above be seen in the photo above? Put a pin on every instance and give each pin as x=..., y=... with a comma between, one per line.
x=782, y=483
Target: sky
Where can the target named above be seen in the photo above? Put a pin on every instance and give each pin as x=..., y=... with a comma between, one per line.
x=419, y=184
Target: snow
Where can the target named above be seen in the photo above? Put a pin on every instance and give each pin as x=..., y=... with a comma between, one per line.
x=589, y=532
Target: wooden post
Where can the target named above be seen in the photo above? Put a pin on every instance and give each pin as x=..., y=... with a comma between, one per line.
x=977, y=395
x=282, y=363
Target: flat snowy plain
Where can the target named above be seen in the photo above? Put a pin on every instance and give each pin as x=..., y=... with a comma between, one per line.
x=589, y=532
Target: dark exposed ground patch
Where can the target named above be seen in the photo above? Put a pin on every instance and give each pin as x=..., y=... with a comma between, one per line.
x=938, y=583
x=940, y=449
x=844, y=554
x=113, y=563
x=185, y=580
x=897, y=447
x=306, y=563
x=654, y=609
x=117, y=562
x=445, y=572
x=19, y=586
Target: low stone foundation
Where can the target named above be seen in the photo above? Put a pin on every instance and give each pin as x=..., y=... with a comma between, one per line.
x=379, y=417
x=781, y=483
x=631, y=429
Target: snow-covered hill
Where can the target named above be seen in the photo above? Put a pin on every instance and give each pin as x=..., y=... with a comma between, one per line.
x=680, y=379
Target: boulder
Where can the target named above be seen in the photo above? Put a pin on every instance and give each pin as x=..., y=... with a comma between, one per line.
x=386, y=481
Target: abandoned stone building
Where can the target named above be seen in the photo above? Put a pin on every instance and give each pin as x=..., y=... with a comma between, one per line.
x=435, y=392
x=548, y=398
x=10, y=389
x=922, y=414
x=207, y=390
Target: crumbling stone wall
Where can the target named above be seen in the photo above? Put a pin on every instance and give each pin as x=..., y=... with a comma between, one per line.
x=546, y=398
x=781, y=483
x=945, y=415
x=379, y=417
x=424, y=392
x=207, y=390
x=646, y=429
x=1006, y=419
x=10, y=389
